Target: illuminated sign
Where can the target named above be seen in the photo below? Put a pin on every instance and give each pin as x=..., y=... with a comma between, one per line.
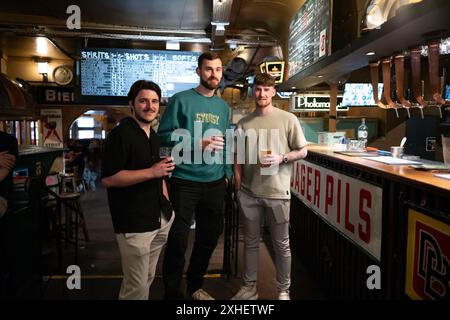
x=307, y=102
x=427, y=260
x=274, y=68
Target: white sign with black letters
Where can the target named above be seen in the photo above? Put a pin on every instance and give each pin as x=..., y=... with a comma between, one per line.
x=351, y=206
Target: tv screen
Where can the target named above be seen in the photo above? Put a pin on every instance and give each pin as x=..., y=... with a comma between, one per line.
x=309, y=36
x=447, y=92
x=111, y=72
x=360, y=94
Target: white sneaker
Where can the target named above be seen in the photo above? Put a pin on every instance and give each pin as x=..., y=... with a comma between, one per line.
x=246, y=293
x=201, y=294
x=284, y=295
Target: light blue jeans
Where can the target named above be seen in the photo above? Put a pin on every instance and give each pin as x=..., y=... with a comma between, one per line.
x=90, y=177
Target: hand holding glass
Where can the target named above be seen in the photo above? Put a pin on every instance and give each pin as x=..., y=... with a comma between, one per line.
x=214, y=143
x=263, y=154
x=165, y=152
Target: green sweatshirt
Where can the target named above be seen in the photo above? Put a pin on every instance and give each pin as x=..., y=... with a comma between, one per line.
x=188, y=110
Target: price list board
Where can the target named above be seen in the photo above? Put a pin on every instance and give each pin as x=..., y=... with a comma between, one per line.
x=111, y=72
x=308, y=35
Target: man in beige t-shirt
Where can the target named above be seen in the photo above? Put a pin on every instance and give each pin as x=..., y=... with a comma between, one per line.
x=268, y=140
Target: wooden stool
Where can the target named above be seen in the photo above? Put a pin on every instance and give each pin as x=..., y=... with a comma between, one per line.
x=67, y=177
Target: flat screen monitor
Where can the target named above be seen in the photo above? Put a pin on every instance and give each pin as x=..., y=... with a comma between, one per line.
x=111, y=72
x=360, y=94
x=447, y=92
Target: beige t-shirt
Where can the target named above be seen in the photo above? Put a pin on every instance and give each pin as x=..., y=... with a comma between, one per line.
x=278, y=131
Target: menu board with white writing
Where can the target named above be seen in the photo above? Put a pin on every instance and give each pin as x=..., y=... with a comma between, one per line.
x=308, y=35
x=111, y=72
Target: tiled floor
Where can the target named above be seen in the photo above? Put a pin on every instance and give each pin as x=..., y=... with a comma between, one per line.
x=99, y=262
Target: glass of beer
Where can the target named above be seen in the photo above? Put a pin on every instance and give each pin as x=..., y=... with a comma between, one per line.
x=217, y=138
x=262, y=157
x=165, y=152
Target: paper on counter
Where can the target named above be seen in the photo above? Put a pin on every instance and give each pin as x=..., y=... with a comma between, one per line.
x=391, y=160
x=443, y=175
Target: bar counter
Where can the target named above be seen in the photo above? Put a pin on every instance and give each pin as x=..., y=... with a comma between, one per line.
x=368, y=230
x=403, y=173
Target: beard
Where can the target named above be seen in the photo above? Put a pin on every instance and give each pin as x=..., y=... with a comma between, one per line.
x=208, y=83
x=263, y=103
x=140, y=118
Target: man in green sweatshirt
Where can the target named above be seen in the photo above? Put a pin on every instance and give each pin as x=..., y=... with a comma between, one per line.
x=194, y=123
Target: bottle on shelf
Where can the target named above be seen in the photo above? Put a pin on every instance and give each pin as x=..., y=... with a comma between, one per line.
x=363, y=133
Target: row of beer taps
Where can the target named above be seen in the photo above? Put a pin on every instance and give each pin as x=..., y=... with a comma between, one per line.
x=435, y=81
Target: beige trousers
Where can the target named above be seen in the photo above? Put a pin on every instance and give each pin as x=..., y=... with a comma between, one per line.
x=139, y=254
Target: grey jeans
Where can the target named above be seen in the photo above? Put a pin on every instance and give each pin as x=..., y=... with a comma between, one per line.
x=276, y=214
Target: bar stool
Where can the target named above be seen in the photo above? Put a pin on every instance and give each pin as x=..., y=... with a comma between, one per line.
x=73, y=217
x=67, y=178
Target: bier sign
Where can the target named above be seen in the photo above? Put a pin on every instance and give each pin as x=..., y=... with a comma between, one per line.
x=55, y=95
x=310, y=102
x=351, y=206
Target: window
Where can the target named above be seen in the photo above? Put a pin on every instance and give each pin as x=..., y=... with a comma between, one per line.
x=85, y=122
x=85, y=128
x=85, y=134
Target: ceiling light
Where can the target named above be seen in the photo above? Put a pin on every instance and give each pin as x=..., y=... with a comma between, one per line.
x=220, y=25
x=41, y=46
x=43, y=70
x=371, y=53
x=172, y=45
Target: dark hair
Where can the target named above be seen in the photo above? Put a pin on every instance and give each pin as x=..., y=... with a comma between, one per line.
x=264, y=79
x=143, y=85
x=208, y=55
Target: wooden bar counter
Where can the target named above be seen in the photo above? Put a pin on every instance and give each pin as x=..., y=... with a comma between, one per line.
x=368, y=230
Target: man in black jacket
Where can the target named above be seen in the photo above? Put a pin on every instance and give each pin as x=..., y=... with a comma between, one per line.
x=137, y=194
x=8, y=156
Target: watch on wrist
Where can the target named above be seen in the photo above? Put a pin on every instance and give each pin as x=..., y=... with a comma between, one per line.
x=285, y=158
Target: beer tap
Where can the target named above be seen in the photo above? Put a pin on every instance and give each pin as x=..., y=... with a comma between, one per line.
x=400, y=81
x=374, y=76
x=417, y=83
x=386, y=68
x=435, y=80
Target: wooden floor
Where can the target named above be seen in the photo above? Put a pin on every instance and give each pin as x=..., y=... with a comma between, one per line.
x=99, y=262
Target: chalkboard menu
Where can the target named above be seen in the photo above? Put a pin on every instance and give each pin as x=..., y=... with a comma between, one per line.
x=308, y=35
x=111, y=72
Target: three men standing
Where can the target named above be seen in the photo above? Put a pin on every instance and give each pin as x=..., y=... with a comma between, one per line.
x=138, y=196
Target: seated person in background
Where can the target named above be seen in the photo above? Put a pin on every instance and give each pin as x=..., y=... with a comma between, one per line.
x=75, y=161
x=91, y=169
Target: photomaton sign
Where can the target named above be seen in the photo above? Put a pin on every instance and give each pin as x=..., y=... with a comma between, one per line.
x=311, y=102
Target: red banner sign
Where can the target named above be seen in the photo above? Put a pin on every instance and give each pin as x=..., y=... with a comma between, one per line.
x=351, y=206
